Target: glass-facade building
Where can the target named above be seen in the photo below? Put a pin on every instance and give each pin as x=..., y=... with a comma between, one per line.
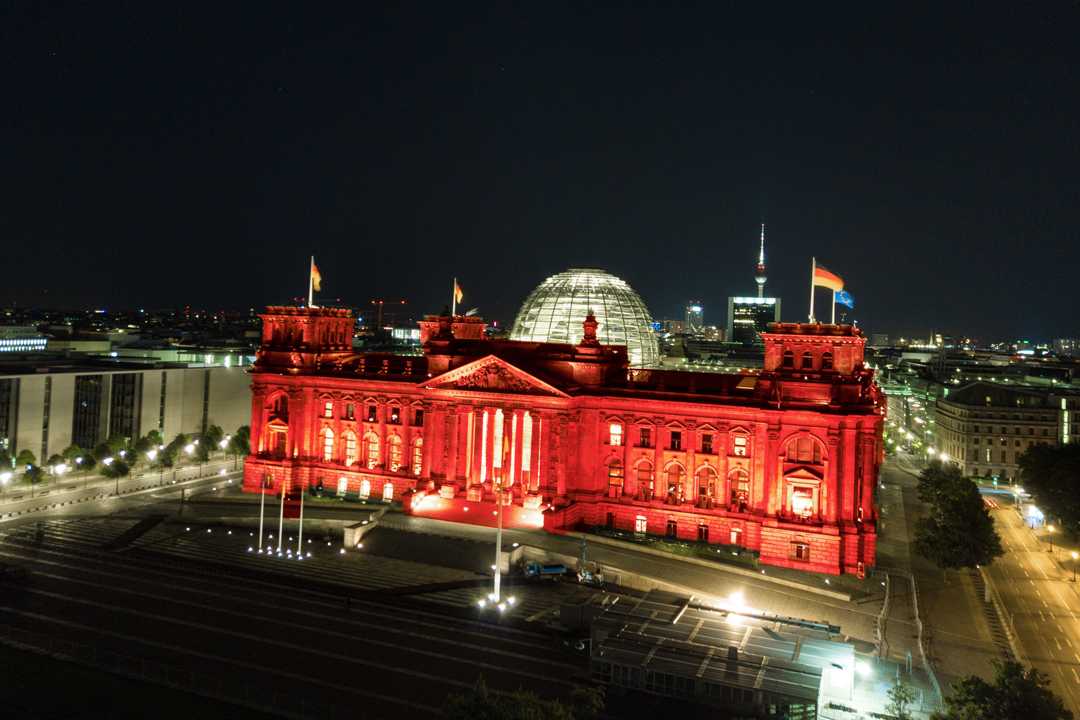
x=555, y=310
x=748, y=317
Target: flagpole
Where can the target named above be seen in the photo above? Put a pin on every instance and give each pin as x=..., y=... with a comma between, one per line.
x=453, y=298
x=281, y=517
x=813, y=274
x=300, y=536
x=262, y=506
x=833, y=320
x=311, y=282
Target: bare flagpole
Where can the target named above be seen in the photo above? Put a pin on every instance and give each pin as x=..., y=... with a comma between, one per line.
x=300, y=537
x=833, y=320
x=453, y=298
x=281, y=517
x=813, y=275
x=262, y=511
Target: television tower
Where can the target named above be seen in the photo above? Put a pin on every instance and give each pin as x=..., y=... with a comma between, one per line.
x=760, y=276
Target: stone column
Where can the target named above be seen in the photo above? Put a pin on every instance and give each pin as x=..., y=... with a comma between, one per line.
x=842, y=474
x=452, y=455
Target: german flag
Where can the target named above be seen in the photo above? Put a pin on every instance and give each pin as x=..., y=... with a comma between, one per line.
x=824, y=278
x=316, y=278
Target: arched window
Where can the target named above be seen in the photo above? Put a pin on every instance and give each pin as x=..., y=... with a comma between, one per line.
x=371, y=450
x=739, y=482
x=676, y=493
x=365, y=489
x=395, y=453
x=807, y=361
x=279, y=407
x=789, y=359
x=418, y=456
x=706, y=484
x=826, y=360
x=645, y=479
x=328, y=445
x=615, y=478
x=351, y=455
x=804, y=449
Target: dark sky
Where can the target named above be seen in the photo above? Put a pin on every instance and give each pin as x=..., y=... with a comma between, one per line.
x=170, y=153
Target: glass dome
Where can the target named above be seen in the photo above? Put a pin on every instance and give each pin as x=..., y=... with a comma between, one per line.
x=555, y=310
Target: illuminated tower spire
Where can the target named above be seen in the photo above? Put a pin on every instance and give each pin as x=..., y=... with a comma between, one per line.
x=760, y=273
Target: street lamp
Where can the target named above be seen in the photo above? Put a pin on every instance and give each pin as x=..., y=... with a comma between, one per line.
x=1050, y=531
x=1075, y=555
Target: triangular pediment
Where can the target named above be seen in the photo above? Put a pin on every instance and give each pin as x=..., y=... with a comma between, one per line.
x=492, y=374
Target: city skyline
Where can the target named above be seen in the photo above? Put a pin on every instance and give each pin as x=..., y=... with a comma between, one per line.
x=922, y=162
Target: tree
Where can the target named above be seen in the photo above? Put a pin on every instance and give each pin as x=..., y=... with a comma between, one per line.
x=116, y=469
x=1050, y=474
x=54, y=460
x=240, y=442
x=25, y=458
x=155, y=438
x=102, y=451
x=33, y=474
x=958, y=532
x=1016, y=692
x=214, y=435
x=71, y=452
x=901, y=696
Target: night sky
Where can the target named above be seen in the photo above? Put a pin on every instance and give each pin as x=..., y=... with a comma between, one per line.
x=165, y=154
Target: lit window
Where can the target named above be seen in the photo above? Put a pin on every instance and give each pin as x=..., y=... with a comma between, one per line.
x=371, y=440
x=388, y=492
x=417, y=456
x=328, y=445
x=641, y=523
x=802, y=502
x=395, y=415
x=800, y=551
x=615, y=434
x=365, y=489
x=615, y=479
x=328, y=409
x=372, y=413
x=395, y=453
x=350, y=448
x=739, y=448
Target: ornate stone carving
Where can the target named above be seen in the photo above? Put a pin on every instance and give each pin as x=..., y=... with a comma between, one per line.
x=494, y=377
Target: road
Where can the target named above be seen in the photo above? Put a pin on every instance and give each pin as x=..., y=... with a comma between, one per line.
x=1042, y=600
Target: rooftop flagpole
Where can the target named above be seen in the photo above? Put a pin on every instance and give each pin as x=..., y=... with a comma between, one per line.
x=453, y=298
x=813, y=274
x=311, y=283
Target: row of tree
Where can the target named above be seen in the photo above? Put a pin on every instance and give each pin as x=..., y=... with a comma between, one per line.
x=1051, y=474
x=958, y=531
x=118, y=455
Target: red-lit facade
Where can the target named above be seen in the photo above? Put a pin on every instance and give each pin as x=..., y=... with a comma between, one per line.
x=782, y=461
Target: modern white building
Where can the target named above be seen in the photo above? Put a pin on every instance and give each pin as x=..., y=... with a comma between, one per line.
x=48, y=404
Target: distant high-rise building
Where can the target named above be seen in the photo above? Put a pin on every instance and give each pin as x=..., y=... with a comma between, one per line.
x=695, y=317
x=748, y=317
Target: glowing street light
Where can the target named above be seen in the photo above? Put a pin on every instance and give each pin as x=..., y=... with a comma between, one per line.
x=108, y=461
x=189, y=448
x=5, y=478
x=151, y=455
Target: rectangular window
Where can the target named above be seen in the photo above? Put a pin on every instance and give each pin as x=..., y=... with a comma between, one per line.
x=372, y=413
x=672, y=529
x=418, y=417
x=328, y=409
x=395, y=415
x=640, y=524
x=703, y=533
x=676, y=440
x=349, y=411
x=800, y=551
x=706, y=444
x=615, y=434
x=740, y=446
x=645, y=437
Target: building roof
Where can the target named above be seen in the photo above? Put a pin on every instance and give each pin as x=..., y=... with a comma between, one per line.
x=718, y=647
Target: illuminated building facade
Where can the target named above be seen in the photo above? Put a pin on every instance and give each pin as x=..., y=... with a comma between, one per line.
x=781, y=461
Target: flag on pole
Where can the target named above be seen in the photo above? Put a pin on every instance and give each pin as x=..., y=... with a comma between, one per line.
x=316, y=278
x=458, y=294
x=843, y=297
x=824, y=278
